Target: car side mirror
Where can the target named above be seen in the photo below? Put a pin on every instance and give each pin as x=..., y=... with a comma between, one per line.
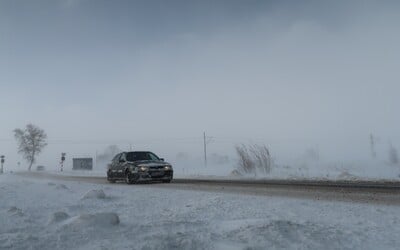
x=161, y=159
x=121, y=160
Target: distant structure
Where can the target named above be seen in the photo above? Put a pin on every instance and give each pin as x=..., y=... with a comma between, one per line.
x=372, y=145
x=82, y=164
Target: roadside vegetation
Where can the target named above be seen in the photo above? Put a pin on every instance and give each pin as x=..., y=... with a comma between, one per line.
x=253, y=159
x=31, y=142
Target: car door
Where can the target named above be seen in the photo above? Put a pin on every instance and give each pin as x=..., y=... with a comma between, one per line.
x=121, y=162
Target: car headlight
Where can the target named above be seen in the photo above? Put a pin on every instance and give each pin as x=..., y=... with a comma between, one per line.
x=167, y=167
x=143, y=169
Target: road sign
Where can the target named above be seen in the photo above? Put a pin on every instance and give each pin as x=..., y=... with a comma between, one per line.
x=2, y=162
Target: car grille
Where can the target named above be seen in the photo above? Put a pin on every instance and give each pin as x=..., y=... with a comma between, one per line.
x=160, y=174
x=157, y=167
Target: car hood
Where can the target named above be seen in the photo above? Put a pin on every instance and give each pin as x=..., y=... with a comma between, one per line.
x=151, y=164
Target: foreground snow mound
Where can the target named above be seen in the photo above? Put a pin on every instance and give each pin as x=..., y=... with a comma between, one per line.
x=97, y=220
x=61, y=187
x=185, y=219
x=15, y=211
x=94, y=194
x=285, y=234
x=57, y=217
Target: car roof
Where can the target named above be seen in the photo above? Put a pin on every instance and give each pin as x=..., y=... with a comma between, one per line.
x=138, y=152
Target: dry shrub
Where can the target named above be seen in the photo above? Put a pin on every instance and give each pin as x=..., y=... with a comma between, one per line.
x=254, y=159
x=246, y=164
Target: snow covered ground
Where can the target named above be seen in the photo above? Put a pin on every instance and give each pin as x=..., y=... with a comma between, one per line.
x=48, y=214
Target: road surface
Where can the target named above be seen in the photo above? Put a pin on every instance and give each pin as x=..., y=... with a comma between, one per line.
x=387, y=193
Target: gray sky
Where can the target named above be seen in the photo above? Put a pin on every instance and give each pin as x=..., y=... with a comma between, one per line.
x=291, y=74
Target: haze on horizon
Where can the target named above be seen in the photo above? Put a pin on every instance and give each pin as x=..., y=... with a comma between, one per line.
x=294, y=75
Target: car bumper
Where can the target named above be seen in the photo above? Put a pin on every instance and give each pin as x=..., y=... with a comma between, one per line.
x=156, y=175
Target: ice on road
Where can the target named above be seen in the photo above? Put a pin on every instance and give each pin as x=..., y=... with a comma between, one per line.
x=48, y=214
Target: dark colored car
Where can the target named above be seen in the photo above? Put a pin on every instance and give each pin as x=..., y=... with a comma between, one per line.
x=139, y=166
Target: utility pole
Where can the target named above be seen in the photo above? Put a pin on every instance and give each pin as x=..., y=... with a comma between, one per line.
x=206, y=140
x=205, y=149
x=372, y=145
x=95, y=160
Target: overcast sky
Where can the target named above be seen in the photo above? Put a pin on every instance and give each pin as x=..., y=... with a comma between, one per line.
x=291, y=74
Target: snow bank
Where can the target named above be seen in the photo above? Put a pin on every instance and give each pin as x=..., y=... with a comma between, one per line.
x=39, y=216
x=286, y=234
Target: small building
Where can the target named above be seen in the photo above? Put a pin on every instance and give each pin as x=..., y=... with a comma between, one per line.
x=82, y=164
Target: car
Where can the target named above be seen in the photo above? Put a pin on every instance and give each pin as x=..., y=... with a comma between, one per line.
x=139, y=166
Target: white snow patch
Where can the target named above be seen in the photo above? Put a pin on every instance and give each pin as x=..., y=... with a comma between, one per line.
x=155, y=217
x=95, y=194
x=97, y=220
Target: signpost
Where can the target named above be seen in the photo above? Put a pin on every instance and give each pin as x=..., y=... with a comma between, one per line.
x=2, y=162
x=62, y=161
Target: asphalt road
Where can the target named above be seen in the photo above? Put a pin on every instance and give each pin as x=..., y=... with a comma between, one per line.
x=387, y=193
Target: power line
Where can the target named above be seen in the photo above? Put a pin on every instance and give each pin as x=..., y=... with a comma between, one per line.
x=204, y=139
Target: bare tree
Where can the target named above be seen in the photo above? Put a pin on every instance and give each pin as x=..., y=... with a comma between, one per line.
x=30, y=141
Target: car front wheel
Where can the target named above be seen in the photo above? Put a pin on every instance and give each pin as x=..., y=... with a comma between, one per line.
x=128, y=178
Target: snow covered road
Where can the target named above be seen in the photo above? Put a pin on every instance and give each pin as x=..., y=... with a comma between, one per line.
x=363, y=192
x=55, y=214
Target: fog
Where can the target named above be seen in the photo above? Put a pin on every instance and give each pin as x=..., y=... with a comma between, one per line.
x=298, y=76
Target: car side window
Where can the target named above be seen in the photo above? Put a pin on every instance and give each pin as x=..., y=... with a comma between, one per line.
x=115, y=159
x=123, y=157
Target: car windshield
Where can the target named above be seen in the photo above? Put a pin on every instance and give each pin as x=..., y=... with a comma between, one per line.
x=141, y=156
